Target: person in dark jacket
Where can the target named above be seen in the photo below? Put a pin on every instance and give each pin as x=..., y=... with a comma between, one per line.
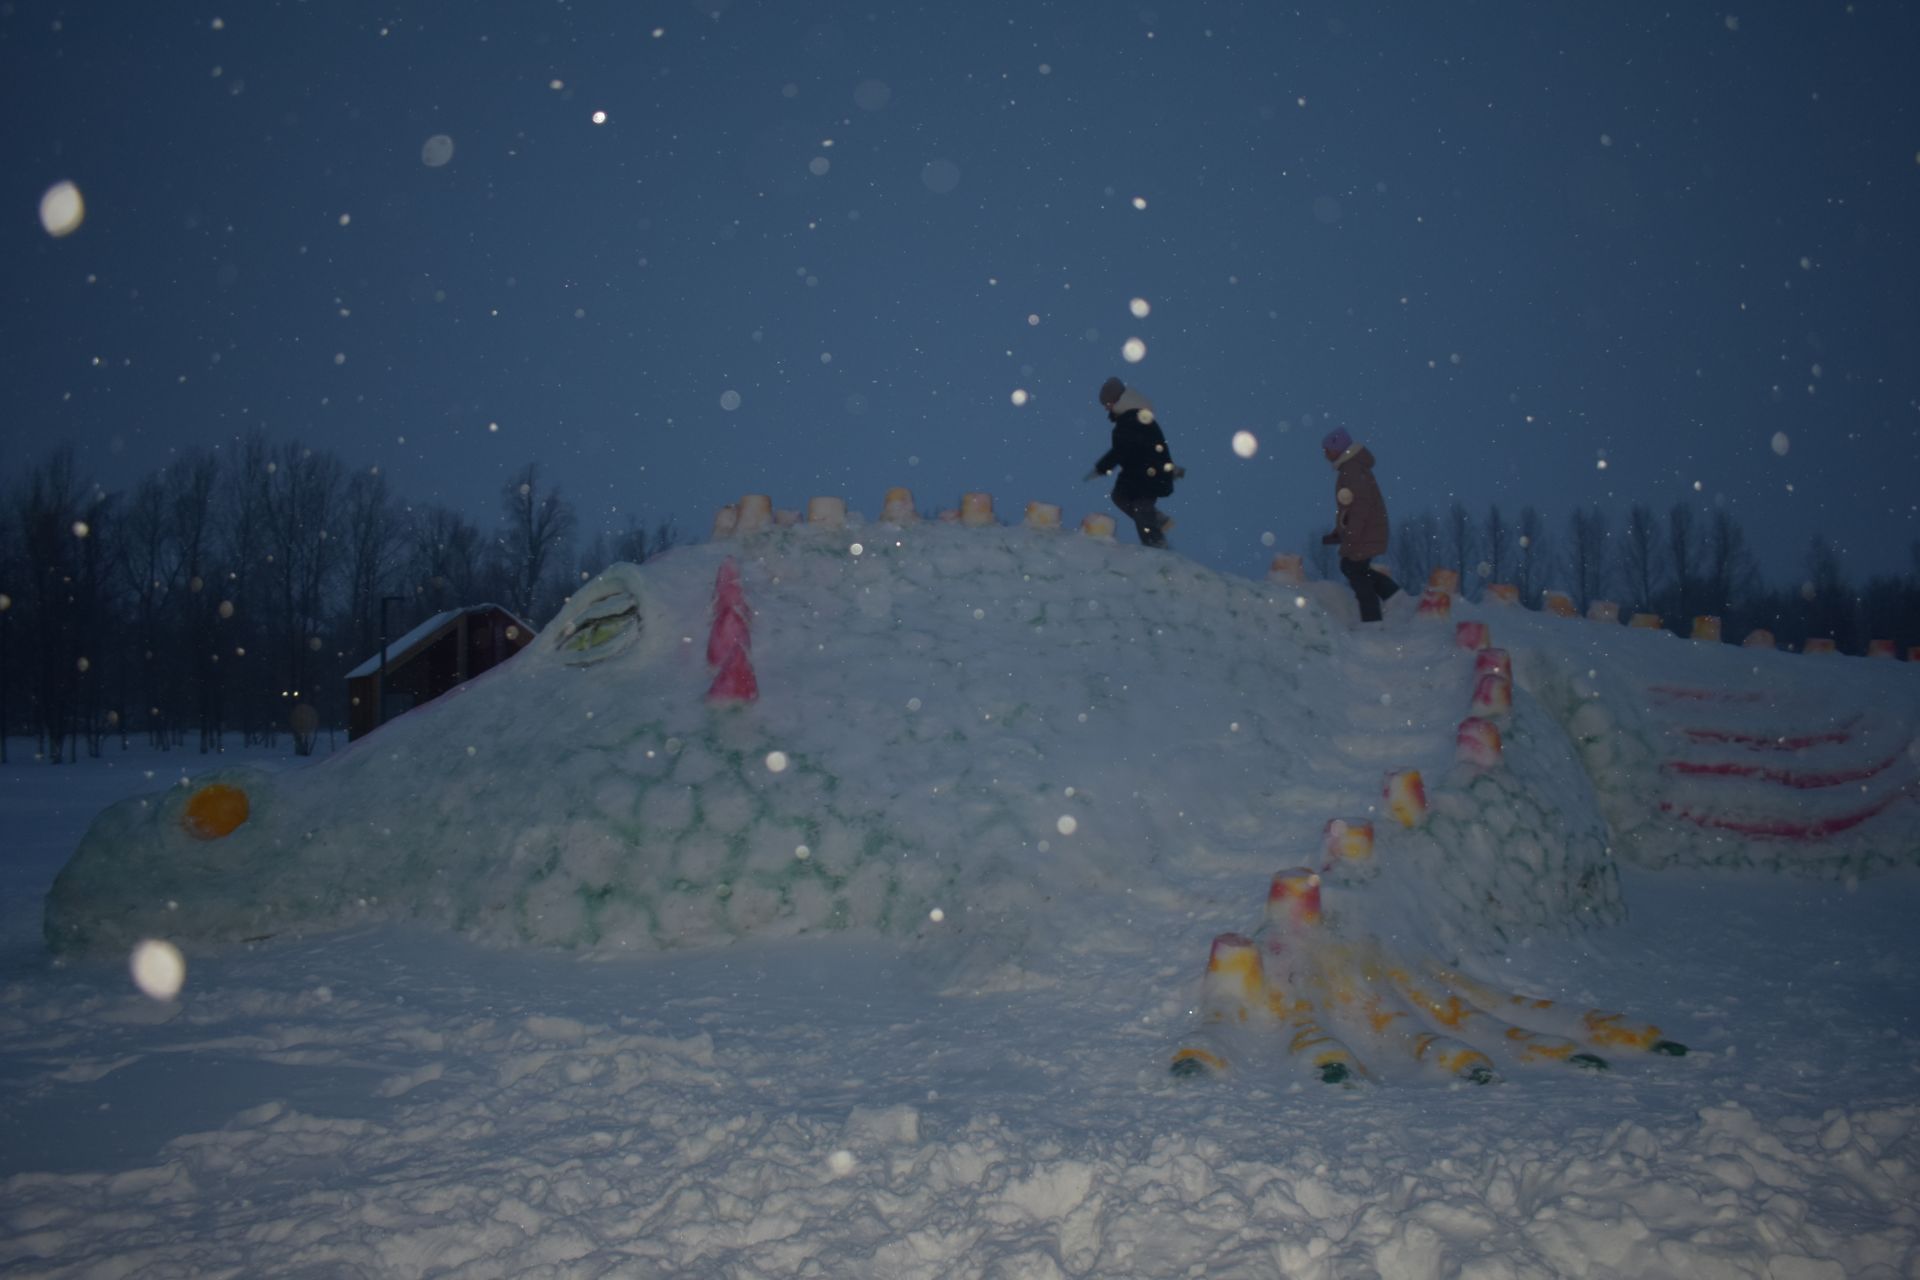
x=1359, y=523
x=1140, y=454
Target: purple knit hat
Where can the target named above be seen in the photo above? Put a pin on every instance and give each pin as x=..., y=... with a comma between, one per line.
x=1337, y=441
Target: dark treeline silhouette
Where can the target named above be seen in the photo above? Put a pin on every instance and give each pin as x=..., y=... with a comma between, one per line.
x=231, y=587
x=1680, y=565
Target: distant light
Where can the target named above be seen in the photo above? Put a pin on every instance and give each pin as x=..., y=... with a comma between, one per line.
x=729, y=400
x=1245, y=444
x=1140, y=308
x=1133, y=350
x=158, y=969
x=1780, y=443
x=1019, y=396
x=599, y=117
x=436, y=151
x=61, y=209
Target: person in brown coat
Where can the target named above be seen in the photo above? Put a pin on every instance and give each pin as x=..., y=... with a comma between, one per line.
x=1359, y=523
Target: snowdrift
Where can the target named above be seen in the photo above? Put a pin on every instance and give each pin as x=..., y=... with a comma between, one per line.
x=896, y=729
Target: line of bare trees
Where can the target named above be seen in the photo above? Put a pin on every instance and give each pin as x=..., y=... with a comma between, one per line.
x=230, y=587
x=1679, y=565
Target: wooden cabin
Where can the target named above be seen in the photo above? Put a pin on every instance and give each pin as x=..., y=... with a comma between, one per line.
x=442, y=653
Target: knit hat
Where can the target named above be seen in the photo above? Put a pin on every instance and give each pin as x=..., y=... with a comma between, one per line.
x=1337, y=441
x=1112, y=389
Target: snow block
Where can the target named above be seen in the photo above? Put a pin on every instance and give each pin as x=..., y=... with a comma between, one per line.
x=756, y=513
x=725, y=521
x=1477, y=742
x=1603, y=611
x=1707, y=627
x=1645, y=621
x=1447, y=580
x=1288, y=570
x=1293, y=899
x=1235, y=984
x=1821, y=644
x=1913, y=653
x=1759, y=638
x=1559, y=604
x=1097, y=526
x=1493, y=696
x=1406, y=797
x=1435, y=604
x=1880, y=649
x=831, y=512
x=1471, y=635
x=897, y=507
x=1344, y=841
x=1502, y=593
x=1493, y=662
x=976, y=509
x=1043, y=515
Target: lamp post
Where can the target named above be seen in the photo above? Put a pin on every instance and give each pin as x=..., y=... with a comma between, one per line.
x=380, y=682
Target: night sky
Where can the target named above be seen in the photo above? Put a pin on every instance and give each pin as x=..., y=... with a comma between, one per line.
x=1531, y=253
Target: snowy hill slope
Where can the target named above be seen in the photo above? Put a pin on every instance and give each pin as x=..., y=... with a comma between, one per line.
x=984, y=723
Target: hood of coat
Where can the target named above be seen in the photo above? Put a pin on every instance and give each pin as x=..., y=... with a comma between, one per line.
x=1358, y=457
x=1129, y=401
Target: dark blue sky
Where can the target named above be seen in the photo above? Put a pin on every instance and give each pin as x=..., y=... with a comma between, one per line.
x=1502, y=243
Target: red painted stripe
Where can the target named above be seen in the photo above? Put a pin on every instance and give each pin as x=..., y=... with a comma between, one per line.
x=1762, y=742
x=1783, y=777
x=1785, y=828
x=1705, y=695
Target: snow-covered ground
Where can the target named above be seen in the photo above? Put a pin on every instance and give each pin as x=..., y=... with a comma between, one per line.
x=493, y=1079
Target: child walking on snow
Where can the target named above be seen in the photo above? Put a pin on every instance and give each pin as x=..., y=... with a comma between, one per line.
x=1140, y=452
x=1359, y=523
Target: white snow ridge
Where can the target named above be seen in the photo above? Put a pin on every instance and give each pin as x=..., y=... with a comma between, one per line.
x=787, y=911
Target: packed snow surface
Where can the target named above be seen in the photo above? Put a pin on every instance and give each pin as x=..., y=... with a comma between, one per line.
x=579, y=973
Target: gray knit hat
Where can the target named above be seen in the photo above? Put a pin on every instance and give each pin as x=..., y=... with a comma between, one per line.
x=1112, y=389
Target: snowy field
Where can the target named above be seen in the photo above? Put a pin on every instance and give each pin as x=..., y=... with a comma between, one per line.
x=397, y=1083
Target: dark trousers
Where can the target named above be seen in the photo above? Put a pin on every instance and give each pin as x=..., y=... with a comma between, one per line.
x=1146, y=518
x=1370, y=586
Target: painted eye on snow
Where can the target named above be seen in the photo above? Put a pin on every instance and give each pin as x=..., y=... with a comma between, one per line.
x=602, y=628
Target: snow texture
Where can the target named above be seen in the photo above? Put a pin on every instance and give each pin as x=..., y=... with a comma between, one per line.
x=643, y=1037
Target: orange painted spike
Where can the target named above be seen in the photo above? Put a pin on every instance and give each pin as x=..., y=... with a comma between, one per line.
x=214, y=811
x=1406, y=797
x=729, y=633
x=1645, y=621
x=1345, y=841
x=1447, y=580
x=1559, y=604
x=1707, y=627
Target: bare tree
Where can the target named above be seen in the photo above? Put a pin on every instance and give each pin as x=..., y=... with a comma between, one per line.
x=149, y=565
x=1533, y=555
x=634, y=544
x=1416, y=549
x=538, y=525
x=1462, y=544
x=1586, y=555
x=49, y=512
x=1496, y=537
x=196, y=522
x=445, y=558
x=1320, y=554
x=302, y=493
x=1639, y=556
x=1728, y=563
x=1683, y=560
x=372, y=524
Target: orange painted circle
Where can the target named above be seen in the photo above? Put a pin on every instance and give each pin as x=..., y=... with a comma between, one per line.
x=214, y=811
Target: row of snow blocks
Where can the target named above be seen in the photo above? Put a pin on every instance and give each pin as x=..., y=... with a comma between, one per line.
x=1881, y=649
x=729, y=640
x=1447, y=580
x=1559, y=604
x=1645, y=622
x=1405, y=793
x=1095, y=525
x=1603, y=611
x=897, y=507
x=1492, y=696
x=1233, y=993
x=1043, y=515
x=1821, y=644
x=830, y=512
x=1287, y=570
x=1435, y=604
x=1345, y=842
x=1707, y=627
x=1472, y=635
x=976, y=509
x=1293, y=900
x=1477, y=742
x=1759, y=638
x=1503, y=593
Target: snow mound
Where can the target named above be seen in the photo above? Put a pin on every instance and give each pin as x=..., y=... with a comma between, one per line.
x=986, y=735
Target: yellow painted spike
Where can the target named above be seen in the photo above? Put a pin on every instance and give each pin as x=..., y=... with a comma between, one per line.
x=1207, y=1059
x=1605, y=1030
